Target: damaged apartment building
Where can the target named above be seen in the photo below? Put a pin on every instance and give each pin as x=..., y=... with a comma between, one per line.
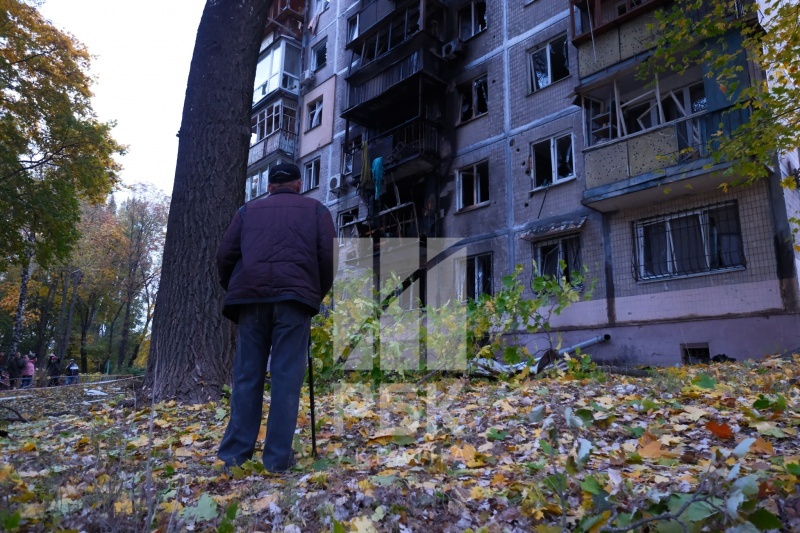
x=519, y=131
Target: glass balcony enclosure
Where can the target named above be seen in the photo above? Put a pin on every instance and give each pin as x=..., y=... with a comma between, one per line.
x=278, y=68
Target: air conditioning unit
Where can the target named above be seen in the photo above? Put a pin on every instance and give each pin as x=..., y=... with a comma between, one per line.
x=307, y=78
x=451, y=49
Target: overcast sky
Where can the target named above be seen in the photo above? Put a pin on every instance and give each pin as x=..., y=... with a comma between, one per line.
x=142, y=51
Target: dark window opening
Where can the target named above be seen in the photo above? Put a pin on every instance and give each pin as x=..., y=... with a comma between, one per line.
x=695, y=354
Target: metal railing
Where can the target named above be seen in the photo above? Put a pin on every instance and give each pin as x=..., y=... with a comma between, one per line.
x=410, y=140
x=282, y=140
x=412, y=64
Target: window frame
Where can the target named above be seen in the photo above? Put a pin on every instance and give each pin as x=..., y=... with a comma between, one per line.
x=547, y=47
x=314, y=110
x=311, y=174
x=477, y=191
x=553, y=153
x=475, y=26
x=479, y=262
x=282, y=120
x=561, y=244
x=352, y=28
x=471, y=90
x=341, y=223
x=325, y=5
x=315, y=50
x=709, y=239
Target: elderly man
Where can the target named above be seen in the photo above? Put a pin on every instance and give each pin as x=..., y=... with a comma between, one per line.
x=276, y=263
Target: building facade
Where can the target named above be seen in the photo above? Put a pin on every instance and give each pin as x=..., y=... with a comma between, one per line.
x=520, y=131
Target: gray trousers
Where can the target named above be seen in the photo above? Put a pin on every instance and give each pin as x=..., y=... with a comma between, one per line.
x=277, y=333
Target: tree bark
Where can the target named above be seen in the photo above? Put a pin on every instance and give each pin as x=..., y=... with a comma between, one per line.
x=76, y=280
x=191, y=347
x=126, y=327
x=62, y=316
x=16, y=336
x=45, y=310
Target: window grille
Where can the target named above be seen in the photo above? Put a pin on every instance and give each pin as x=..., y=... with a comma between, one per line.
x=688, y=243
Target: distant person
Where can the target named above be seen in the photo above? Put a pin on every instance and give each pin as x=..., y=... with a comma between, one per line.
x=27, y=373
x=53, y=370
x=15, y=367
x=276, y=263
x=72, y=372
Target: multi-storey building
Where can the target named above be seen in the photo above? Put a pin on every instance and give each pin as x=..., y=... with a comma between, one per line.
x=520, y=130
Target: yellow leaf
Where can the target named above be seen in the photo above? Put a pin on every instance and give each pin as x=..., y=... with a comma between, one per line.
x=28, y=447
x=263, y=503
x=362, y=524
x=123, y=506
x=187, y=440
x=172, y=506
x=477, y=493
x=652, y=450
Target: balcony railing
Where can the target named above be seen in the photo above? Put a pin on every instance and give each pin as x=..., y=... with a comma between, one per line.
x=283, y=10
x=656, y=149
x=418, y=61
x=414, y=141
x=281, y=140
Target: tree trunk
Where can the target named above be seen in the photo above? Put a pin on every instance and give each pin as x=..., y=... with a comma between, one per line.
x=76, y=280
x=16, y=336
x=191, y=347
x=126, y=327
x=46, y=309
x=87, y=319
x=62, y=316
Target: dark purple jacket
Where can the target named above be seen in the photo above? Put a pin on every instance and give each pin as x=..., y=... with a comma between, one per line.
x=277, y=248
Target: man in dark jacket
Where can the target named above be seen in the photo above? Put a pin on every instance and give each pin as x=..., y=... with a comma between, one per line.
x=276, y=263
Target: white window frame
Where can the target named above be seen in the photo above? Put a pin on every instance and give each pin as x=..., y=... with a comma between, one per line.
x=315, y=50
x=547, y=48
x=342, y=219
x=554, y=176
x=311, y=175
x=461, y=277
x=352, y=28
x=671, y=259
x=314, y=114
x=282, y=119
x=321, y=6
x=470, y=172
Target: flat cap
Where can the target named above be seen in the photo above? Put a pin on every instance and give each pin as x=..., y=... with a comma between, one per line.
x=284, y=173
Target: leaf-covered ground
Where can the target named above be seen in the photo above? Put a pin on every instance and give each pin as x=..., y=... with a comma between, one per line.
x=714, y=447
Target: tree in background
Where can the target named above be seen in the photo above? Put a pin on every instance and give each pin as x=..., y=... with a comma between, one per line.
x=711, y=34
x=53, y=150
x=191, y=348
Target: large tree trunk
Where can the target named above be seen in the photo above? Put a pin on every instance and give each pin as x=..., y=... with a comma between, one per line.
x=87, y=318
x=62, y=315
x=191, y=347
x=16, y=336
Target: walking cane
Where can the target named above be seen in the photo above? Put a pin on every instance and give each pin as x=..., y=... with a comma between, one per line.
x=311, y=395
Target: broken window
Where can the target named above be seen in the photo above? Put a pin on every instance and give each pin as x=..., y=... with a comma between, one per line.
x=319, y=55
x=348, y=154
x=352, y=28
x=549, y=64
x=345, y=225
x=280, y=115
x=472, y=19
x=474, y=276
x=474, y=184
x=315, y=113
x=311, y=175
x=552, y=161
x=559, y=258
x=689, y=242
x=474, y=99
x=321, y=5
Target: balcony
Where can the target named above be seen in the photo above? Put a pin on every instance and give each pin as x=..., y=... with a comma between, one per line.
x=640, y=168
x=287, y=15
x=410, y=148
x=372, y=94
x=282, y=141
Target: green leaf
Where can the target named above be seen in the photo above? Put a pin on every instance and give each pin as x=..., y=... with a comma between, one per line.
x=793, y=468
x=764, y=520
x=231, y=510
x=545, y=446
x=537, y=414
x=383, y=481
x=10, y=521
x=206, y=509
x=496, y=434
x=220, y=413
x=403, y=440
x=591, y=485
x=747, y=484
x=704, y=381
x=338, y=527
x=743, y=447
x=321, y=464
